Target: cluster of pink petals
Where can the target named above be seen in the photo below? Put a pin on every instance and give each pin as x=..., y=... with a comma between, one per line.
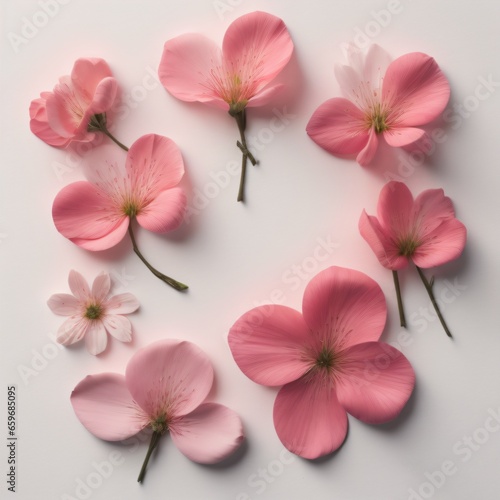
x=256, y=47
x=328, y=359
x=92, y=313
x=382, y=99
x=423, y=230
x=165, y=382
x=96, y=214
x=63, y=115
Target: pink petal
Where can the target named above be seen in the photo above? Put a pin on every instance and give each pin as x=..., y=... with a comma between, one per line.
x=64, y=304
x=375, y=382
x=309, y=419
x=104, y=406
x=339, y=127
x=366, y=155
x=377, y=61
x=257, y=46
x=209, y=434
x=103, y=98
x=169, y=375
x=395, y=210
x=107, y=241
x=431, y=208
x=265, y=95
x=40, y=127
x=154, y=164
x=267, y=344
x=382, y=245
x=101, y=287
x=96, y=339
x=344, y=307
x=415, y=90
x=118, y=326
x=83, y=211
x=88, y=72
x=403, y=136
x=79, y=286
x=72, y=330
x=165, y=213
x=442, y=245
x=123, y=303
x=186, y=68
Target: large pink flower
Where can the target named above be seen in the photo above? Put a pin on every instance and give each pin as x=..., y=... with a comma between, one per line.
x=423, y=230
x=92, y=313
x=328, y=360
x=77, y=106
x=382, y=99
x=96, y=214
x=256, y=47
x=164, y=389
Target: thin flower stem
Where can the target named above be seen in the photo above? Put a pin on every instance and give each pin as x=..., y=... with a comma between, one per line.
x=99, y=123
x=155, y=439
x=428, y=287
x=402, y=318
x=105, y=131
x=240, y=118
x=169, y=281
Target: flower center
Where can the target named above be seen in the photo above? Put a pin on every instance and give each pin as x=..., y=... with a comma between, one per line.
x=407, y=247
x=325, y=359
x=160, y=424
x=131, y=209
x=378, y=119
x=93, y=311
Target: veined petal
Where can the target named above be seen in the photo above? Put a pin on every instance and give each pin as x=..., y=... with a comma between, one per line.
x=81, y=210
x=101, y=287
x=308, y=418
x=118, y=326
x=169, y=378
x=256, y=47
x=265, y=95
x=415, y=90
x=403, y=136
x=107, y=241
x=105, y=407
x=123, y=303
x=79, y=286
x=395, y=210
x=431, y=208
x=40, y=127
x=444, y=244
x=96, y=339
x=383, y=246
x=72, y=330
x=87, y=73
x=64, y=304
x=339, y=127
x=103, y=98
x=268, y=343
x=344, y=307
x=208, y=434
x=375, y=382
x=187, y=68
x=165, y=213
x=366, y=155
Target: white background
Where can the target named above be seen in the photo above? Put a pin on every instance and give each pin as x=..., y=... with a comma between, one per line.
x=235, y=256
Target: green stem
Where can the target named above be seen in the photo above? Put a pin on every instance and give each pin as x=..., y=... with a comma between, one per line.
x=155, y=439
x=98, y=123
x=402, y=318
x=428, y=287
x=169, y=281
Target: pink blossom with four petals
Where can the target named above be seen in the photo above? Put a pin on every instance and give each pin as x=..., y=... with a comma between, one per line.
x=92, y=313
x=77, y=106
x=382, y=99
x=164, y=389
x=328, y=359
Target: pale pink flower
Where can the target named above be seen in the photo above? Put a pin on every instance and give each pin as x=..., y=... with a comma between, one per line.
x=328, y=359
x=77, y=106
x=424, y=231
x=96, y=214
x=382, y=99
x=93, y=312
x=164, y=389
x=256, y=47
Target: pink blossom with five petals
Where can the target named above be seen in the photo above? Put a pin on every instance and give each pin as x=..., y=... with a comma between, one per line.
x=328, y=359
x=77, y=106
x=93, y=313
x=164, y=389
x=382, y=99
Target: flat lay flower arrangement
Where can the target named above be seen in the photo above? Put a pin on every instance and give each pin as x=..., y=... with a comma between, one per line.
x=317, y=357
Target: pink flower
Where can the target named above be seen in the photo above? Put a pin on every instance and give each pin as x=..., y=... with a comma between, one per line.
x=328, y=360
x=77, y=106
x=256, y=47
x=92, y=313
x=383, y=99
x=423, y=230
x=96, y=214
x=164, y=389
